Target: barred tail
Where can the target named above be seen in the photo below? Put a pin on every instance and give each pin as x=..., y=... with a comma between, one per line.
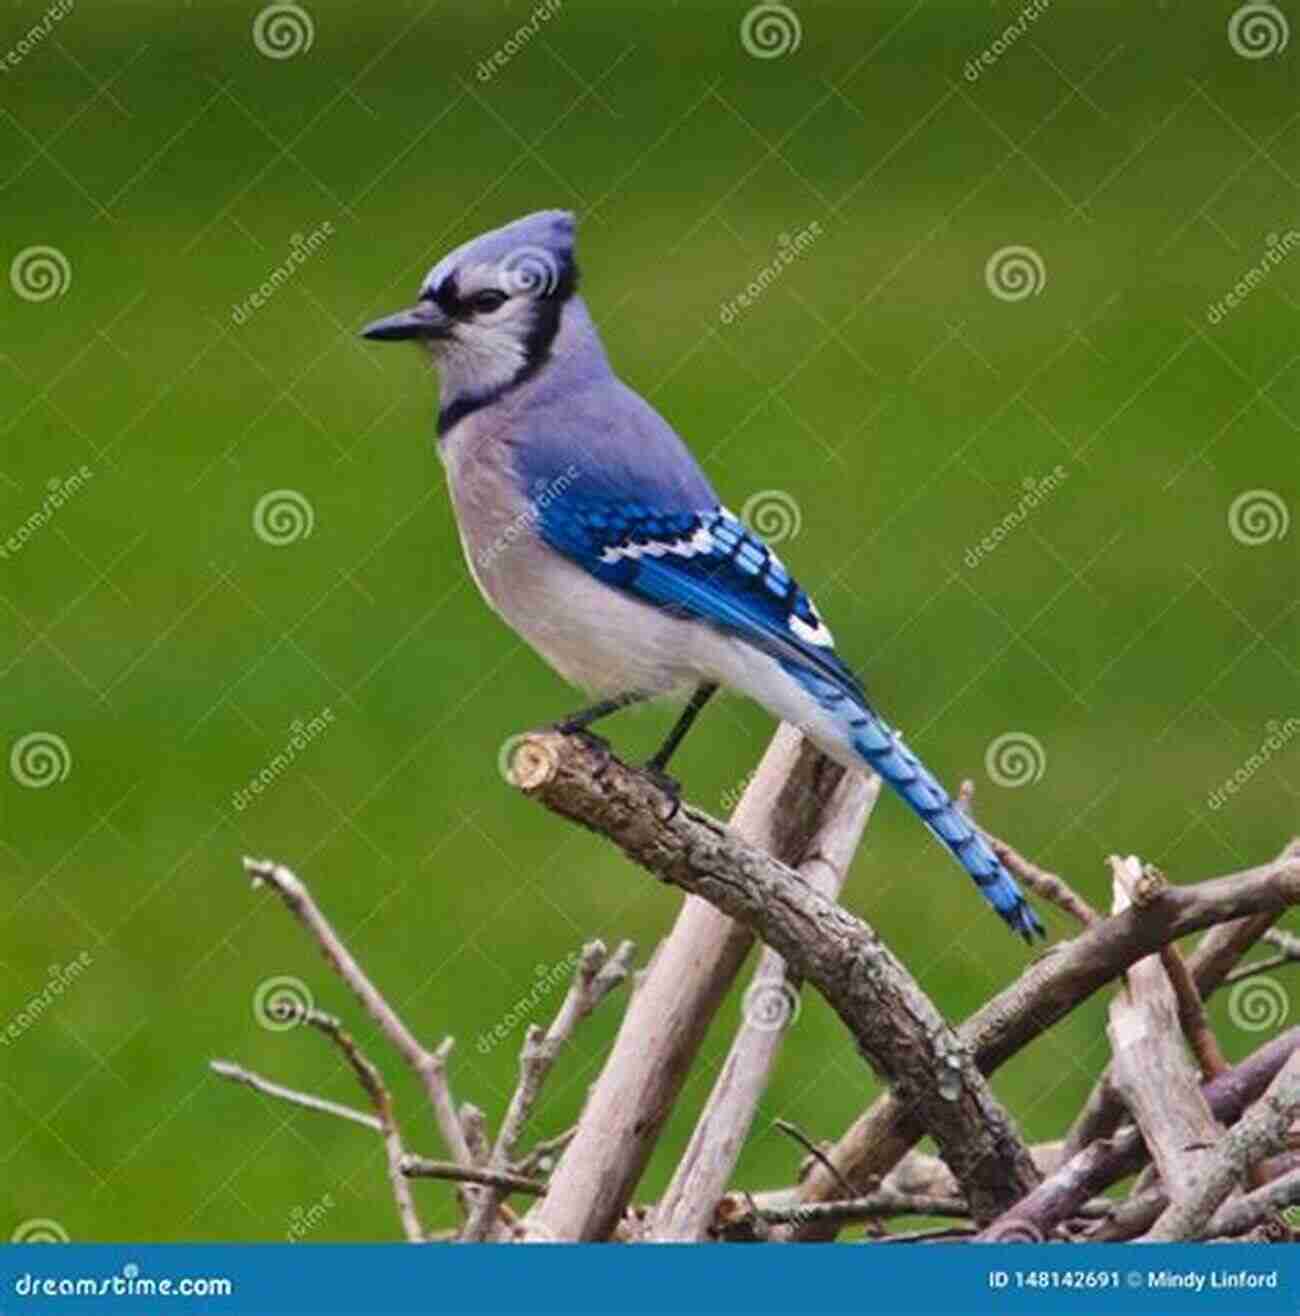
x=882, y=747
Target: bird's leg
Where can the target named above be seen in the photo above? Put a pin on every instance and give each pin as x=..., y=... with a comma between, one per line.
x=656, y=766
x=582, y=719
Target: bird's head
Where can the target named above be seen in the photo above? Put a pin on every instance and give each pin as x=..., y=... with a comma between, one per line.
x=489, y=311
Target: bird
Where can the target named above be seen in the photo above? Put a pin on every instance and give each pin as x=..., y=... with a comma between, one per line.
x=590, y=528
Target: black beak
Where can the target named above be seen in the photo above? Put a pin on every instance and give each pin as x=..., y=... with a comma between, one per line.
x=423, y=320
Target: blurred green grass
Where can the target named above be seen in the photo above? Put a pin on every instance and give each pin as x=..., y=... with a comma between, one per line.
x=877, y=383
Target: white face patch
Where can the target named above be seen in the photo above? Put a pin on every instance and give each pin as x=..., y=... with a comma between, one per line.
x=488, y=348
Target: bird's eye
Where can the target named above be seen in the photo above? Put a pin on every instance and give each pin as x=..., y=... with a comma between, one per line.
x=487, y=300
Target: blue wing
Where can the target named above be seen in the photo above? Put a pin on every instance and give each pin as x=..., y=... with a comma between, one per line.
x=705, y=565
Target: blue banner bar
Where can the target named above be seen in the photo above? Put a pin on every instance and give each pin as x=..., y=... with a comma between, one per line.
x=886, y=1280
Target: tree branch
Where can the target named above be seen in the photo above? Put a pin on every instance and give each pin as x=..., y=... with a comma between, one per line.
x=896, y=1026
x=418, y=1167
x=309, y=1101
x=674, y=1004
x=596, y=975
x=685, y=1213
x=372, y=1083
x=429, y=1066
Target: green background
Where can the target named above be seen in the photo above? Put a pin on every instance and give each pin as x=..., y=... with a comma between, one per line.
x=877, y=384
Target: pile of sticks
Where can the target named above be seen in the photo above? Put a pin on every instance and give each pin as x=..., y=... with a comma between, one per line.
x=1207, y=1150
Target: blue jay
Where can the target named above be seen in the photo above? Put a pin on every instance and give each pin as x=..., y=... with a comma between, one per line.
x=592, y=531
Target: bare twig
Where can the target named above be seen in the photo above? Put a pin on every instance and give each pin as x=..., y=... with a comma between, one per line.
x=685, y=1211
x=1261, y=1132
x=894, y=1023
x=418, y=1167
x=940, y=1234
x=733, y=1210
x=429, y=1066
x=1194, y=1021
x=373, y=1084
x=267, y=1087
x=542, y=1151
x=674, y=1004
x=1050, y=886
x=792, y=1130
x=596, y=975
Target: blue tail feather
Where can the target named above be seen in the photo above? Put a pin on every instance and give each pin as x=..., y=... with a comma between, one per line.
x=884, y=751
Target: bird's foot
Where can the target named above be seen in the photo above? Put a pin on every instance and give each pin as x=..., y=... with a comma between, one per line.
x=597, y=744
x=670, y=786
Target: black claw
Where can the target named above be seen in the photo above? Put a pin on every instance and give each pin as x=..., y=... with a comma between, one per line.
x=670, y=786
